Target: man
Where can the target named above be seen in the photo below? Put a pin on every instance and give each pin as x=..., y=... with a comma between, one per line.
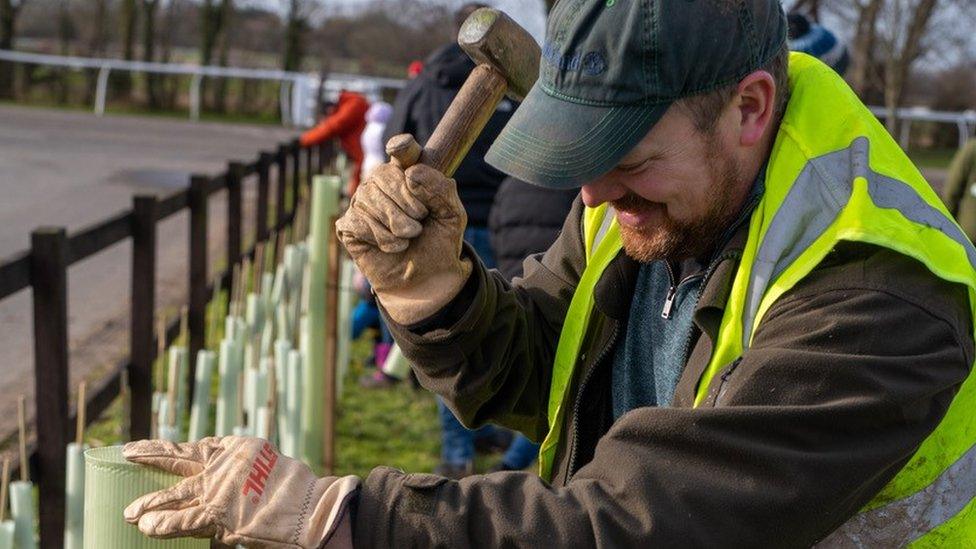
x=755, y=329
x=959, y=192
x=417, y=110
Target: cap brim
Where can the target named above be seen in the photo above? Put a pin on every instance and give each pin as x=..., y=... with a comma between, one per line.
x=556, y=143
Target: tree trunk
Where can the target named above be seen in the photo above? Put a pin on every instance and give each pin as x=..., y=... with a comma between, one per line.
x=862, y=47
x=8, y=26
x=900, y=62
x=96, y=46
x=149, y=50
x=294, y=31
x=220, y=86
x=550, y=4
x=122, y=80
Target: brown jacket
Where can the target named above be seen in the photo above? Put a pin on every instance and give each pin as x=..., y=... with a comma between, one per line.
x=847, y=374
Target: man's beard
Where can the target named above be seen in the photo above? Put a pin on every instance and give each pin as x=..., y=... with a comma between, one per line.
x=676, y=240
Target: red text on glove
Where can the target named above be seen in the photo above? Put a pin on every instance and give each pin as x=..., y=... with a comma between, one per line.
x=262, y=466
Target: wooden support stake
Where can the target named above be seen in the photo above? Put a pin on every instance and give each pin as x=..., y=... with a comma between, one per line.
x=49, y=278
x=197, y=274
x=232, y=292
x=282, y=181
x=22, y=438
x=126, y=395
x=4, y=486
x=215, y=315
x=80, y=415
x=143, y=293
x=331, y=350
x=296, y=169
x=264, y=182
x=234, y=211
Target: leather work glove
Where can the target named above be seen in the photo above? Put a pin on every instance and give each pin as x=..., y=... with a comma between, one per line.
x=404, y=229
x=241, y=490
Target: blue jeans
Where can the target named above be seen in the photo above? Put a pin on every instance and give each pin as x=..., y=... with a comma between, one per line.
x=521, y=453
x=457, y=442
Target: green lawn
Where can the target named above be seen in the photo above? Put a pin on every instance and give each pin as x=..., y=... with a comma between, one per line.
x=932, y=158
x=396, y=427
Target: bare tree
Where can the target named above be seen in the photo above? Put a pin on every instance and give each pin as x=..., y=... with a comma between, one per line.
x=223, y=47
x=296, y=24
x=149, y=9
x=128, y=23
x=9, y=10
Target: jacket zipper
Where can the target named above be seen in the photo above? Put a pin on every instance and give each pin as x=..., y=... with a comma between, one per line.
x=613, y=339
x=725, y=377
x=672, y=290
x=579, y=394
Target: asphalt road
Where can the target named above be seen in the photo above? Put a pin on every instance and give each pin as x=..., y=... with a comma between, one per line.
x=73, y=169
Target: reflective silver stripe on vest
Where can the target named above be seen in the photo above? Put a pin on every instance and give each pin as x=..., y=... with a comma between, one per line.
x=608, y=216
x=817, y=197
x=901, y=522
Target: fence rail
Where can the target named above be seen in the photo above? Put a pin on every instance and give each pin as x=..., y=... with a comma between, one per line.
x=298, y=96
x=44, y=269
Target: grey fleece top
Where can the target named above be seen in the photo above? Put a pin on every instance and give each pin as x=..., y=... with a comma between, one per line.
x=649, y=362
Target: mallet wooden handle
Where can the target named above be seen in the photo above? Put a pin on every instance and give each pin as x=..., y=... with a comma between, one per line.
x=459, y=128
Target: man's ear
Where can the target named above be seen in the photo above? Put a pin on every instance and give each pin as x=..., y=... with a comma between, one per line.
x=756, y=105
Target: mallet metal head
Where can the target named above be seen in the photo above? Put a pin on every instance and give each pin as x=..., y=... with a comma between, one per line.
x=492, y=38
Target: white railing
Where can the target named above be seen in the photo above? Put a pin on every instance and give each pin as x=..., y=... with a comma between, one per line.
x=965, y=121
x=298, y=90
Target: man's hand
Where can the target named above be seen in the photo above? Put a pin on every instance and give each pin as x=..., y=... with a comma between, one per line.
x=404, y=229
x=241, y=491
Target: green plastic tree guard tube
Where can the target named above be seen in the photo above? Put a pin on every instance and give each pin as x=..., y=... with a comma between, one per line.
x=280, y=287
x=262, y=423
x=200, y=409
x=292, y=410
x=111, y=484
x=283, y=321
x=179, y=359
x=282, y=348
x=396, y=364
x=166, y=431
x=347, y=298
x=230, y=325
x=325, y=207
x=22, y=511
x=74, y=503
x=229, y=367
x=7, y=534
x=255, y=315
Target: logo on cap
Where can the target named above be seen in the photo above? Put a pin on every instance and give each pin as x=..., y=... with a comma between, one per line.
x=594, y=64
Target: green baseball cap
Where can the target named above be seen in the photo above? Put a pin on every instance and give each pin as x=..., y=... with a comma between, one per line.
x=611, y=68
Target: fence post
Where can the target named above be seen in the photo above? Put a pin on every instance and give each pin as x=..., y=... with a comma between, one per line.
x=198, y=270
x=235, y=171
x=49, y=278
x=296, y=169
x=310, y=168
x=143, y=311
x=323, y=158
x=282, y=173
x=264, y=164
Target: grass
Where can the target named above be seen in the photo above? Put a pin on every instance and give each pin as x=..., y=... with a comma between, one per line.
x=397, y=427
x=932, y=158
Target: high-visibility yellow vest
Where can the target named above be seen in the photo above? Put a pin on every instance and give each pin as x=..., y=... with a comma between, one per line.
x=834, y=174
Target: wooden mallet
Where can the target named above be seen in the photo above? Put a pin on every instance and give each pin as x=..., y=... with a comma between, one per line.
x=508, y=63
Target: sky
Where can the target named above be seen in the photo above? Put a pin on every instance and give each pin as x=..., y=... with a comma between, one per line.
x=528, y=13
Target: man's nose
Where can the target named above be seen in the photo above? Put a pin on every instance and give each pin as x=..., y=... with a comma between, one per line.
x=603, y=189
